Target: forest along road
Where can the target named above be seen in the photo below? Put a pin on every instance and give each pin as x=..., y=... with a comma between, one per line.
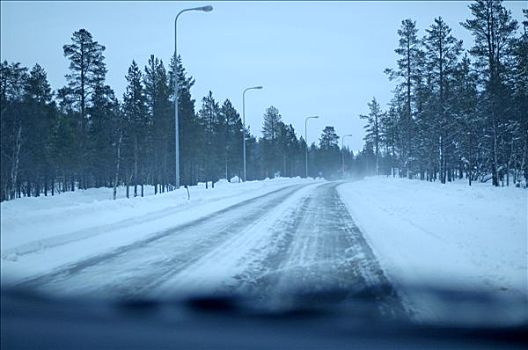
x=300, y=238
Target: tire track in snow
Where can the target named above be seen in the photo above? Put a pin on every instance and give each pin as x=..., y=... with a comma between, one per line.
x=312, y=247
x=285, y=241
x=90, y=232
x=132, y=269
x=220, y=269
x=323, y=251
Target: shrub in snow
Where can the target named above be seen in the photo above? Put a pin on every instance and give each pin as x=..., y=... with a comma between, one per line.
x=235, y=179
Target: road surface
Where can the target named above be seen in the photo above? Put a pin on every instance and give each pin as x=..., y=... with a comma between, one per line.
x=297, y=239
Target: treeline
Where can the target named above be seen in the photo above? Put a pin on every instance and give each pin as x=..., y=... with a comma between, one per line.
x=455, y=113
x=82, y=136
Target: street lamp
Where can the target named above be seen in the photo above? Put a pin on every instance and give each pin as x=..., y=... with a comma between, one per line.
x=306, y=140
x=207, y=8
x=343, y=153
x=244, y=124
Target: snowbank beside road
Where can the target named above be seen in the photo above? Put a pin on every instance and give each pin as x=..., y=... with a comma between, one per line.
x=74, y=225
x=421, y=232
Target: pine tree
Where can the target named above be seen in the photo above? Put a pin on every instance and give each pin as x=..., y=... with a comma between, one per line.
x=87, y=73
x=372, y=128
x=407, y=72
x=103, y=124
x=388, y=135
x=288, y=147
x=270, y=132
x=466, y=118
x=87, y=67
x=492, y=28
x=232, y=139
x=136, y=115
x=157, y=92
x=209, y=116
x=328, y=155
x=519, y=84
x=426, y=145
x=12, y=82
x=254, y=157
x=189, y=127
x=442, y=51
x=39, y=117
x=63, y=151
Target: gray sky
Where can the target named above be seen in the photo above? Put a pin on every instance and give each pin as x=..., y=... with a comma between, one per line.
x=324, y=58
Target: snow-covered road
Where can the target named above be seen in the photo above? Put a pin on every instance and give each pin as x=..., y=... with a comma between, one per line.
x=142, y=266
x=300, y=236
x=272, y=239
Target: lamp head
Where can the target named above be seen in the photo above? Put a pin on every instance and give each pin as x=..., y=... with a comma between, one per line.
x=207, y=8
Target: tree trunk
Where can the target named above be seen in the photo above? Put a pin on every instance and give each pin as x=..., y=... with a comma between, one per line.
x=135, y=165
x=118, y=163
x=16, y=160
x=128, y=180
x=46, y=183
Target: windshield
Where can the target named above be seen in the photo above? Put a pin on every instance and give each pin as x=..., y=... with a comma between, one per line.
x=297, y=152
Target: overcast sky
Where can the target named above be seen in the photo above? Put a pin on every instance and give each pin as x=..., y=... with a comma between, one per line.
x=313, y=58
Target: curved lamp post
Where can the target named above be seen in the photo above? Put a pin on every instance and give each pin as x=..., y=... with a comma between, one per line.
x=244, y=124
x=207, y=8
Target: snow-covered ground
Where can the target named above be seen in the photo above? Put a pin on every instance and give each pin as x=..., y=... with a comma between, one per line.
x=40, y=234
x=264, y=237
x=453, y=234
